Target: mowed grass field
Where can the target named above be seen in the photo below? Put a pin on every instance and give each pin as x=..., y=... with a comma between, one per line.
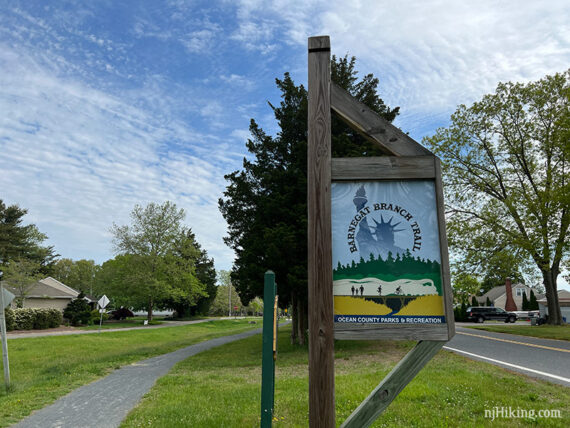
x=45, y=368
x=545, y=331
x=221, y=388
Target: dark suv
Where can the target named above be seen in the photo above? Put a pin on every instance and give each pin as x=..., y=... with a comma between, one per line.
x=482, y=313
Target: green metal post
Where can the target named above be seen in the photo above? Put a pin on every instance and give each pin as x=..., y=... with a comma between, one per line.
x=268, y=362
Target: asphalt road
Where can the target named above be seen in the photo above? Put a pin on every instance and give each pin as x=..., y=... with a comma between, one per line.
x=545, y=359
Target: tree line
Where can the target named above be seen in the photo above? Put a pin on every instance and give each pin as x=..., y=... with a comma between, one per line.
x=390, y=268
x=159, y=263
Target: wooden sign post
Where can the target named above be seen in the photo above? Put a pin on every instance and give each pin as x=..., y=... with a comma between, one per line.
x=378, y=261
x=321, y=332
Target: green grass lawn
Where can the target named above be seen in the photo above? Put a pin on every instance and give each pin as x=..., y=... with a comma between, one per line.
x=221, y=388
x=545, y=331
x=45, y=368
x=131, y=322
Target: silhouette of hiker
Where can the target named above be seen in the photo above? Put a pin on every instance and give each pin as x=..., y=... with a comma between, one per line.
x=379, y=290
x=361, y=290
x=352, y=289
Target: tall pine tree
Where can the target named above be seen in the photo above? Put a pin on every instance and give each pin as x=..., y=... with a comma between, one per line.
x=265, y=203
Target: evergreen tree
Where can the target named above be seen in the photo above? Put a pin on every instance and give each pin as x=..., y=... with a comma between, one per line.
x=19, y=241
x=78, y=311
x=265, y=203
x=474, y=301
x=525, y=304
x=488, y=302
x=532, y=303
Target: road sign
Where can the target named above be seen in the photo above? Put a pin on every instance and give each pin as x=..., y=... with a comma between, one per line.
x=103, y=301
x=7, y=297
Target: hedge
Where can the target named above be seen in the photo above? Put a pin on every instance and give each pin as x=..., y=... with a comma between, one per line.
x=32, y=318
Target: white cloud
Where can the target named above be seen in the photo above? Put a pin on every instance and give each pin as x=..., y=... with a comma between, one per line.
x=237, y=81
x=97, y=118
x=80, y=159
x=430, y=55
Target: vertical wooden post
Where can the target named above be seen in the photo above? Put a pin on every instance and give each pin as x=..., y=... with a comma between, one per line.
x=268, y=359
x=321, y=322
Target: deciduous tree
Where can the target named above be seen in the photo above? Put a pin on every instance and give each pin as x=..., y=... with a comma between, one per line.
x=21, y=275
x=78, y=274
x=151, y=272
x=506, y=166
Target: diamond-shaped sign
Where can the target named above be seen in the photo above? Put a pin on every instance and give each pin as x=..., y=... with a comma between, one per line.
x=103, y=301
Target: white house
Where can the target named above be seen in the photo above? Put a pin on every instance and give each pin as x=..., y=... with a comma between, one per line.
x=563, y=300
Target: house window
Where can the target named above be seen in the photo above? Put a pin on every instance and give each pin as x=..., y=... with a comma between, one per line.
x=520, y=292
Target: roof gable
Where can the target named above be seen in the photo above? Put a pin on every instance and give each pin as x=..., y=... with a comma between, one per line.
x=54, y=283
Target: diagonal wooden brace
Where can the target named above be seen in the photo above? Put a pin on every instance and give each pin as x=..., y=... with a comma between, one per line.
x=373, y=406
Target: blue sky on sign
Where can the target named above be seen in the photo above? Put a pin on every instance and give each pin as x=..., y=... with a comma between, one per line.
x=106, y=104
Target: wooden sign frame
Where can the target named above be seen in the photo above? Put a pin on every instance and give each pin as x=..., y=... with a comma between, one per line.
x=404, y=168
x=405, y=160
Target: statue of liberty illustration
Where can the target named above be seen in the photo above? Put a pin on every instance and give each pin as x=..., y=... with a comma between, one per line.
x=378, y=239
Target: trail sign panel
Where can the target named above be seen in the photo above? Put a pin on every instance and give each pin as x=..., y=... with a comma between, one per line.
x=387, y=260
x=386, y=255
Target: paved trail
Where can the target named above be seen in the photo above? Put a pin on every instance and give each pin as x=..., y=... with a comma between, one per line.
x=71, y=331
x=106, y=402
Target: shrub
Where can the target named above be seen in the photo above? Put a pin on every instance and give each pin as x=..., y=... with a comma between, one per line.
x=78, y=311
x=41, y=318
x=96, y=316
x=55, y=318
x=10, y=321
x=24, y=318
x=121, y=314
x=32, y=318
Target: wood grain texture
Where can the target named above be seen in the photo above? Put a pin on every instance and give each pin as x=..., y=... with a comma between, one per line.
x=390, y=387
x=445, y=273
x=367, y=122
x=383, y=167
x=436, y=332
x=321, y=334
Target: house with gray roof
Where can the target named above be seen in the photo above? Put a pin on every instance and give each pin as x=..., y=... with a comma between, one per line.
x=49, y=293
x=498, y=295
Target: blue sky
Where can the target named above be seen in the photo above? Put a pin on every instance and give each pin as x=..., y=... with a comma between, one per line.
x=106, y=104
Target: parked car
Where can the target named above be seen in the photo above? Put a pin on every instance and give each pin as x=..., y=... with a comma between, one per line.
x=484, y=313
